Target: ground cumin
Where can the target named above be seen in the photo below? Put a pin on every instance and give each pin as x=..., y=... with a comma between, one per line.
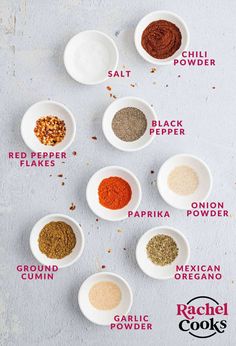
x=161, y=39
x=114, y=193
x=57, y=240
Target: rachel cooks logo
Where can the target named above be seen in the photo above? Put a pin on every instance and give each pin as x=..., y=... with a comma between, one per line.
x=203, y=317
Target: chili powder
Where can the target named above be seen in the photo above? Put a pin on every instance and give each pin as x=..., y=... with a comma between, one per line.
x=161, y=39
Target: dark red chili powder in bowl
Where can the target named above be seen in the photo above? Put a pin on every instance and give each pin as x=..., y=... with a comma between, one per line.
x=161, y=39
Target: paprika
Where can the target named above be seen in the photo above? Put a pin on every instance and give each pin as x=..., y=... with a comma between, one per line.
x=114, y=193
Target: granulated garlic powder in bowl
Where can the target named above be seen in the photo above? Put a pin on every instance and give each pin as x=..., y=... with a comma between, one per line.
x=184, y=179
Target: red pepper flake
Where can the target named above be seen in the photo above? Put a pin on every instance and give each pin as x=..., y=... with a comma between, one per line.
x=124, y=248
x=72, y=206
x=109, y=88
x=103, y=266
x=63, y=183
x=114, y=97
x=94, y=137
x=132, y=85
x=152, y=172
x=213, y=87
x=110, y=95
x=51, y=176
x=74, y=153
x=60, y=175
x=108, y=250
x=179, y=76
x=153, y=70
x=97, y=220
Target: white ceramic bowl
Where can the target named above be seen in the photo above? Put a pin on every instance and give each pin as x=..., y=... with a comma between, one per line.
x=93, y=198
x=204, y=176
x=154, y=16
x=109, y=114
x=156, y=271
x=89, y=56
x=41, y=109
x=104, y=317
x=66, y=261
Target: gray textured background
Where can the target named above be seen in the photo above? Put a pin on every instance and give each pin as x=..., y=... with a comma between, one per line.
x=33, y=35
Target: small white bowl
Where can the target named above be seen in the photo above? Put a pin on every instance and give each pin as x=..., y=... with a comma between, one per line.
x=204, y=185
x=104, y=317
x=42, y=109
x=89, y=56
x=109, y=114
x=152, y=17
x=156, y=271
x=93, y=198
x=66, y=261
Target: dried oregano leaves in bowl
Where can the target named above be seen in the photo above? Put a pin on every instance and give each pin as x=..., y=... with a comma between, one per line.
x=162, y=249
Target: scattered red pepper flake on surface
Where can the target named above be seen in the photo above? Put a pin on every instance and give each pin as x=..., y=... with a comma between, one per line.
x=63, y=183
x=51, y=176
x=103, y=266
x=108, y=250
x=97, y=220
x=109, y=88
x=72, y=206
x=132, y=85
x=60, y=175
x=74, y=153
x=153, y=70
x=179, y=76
x=124, y=248
x=94, y=138
x=152, y=172
x=114, y=97
x=119, y=231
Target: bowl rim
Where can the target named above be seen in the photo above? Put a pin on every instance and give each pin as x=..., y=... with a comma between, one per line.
x=170, y=59
x=122, y=169
x=110, y=39
x=65, y=147
x=66, y=217
x=158, y=229
x=112, y=275
x=104, y=123
x=191, y=157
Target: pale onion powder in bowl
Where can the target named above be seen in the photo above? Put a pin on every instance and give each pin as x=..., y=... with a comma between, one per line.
x=183, y=180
